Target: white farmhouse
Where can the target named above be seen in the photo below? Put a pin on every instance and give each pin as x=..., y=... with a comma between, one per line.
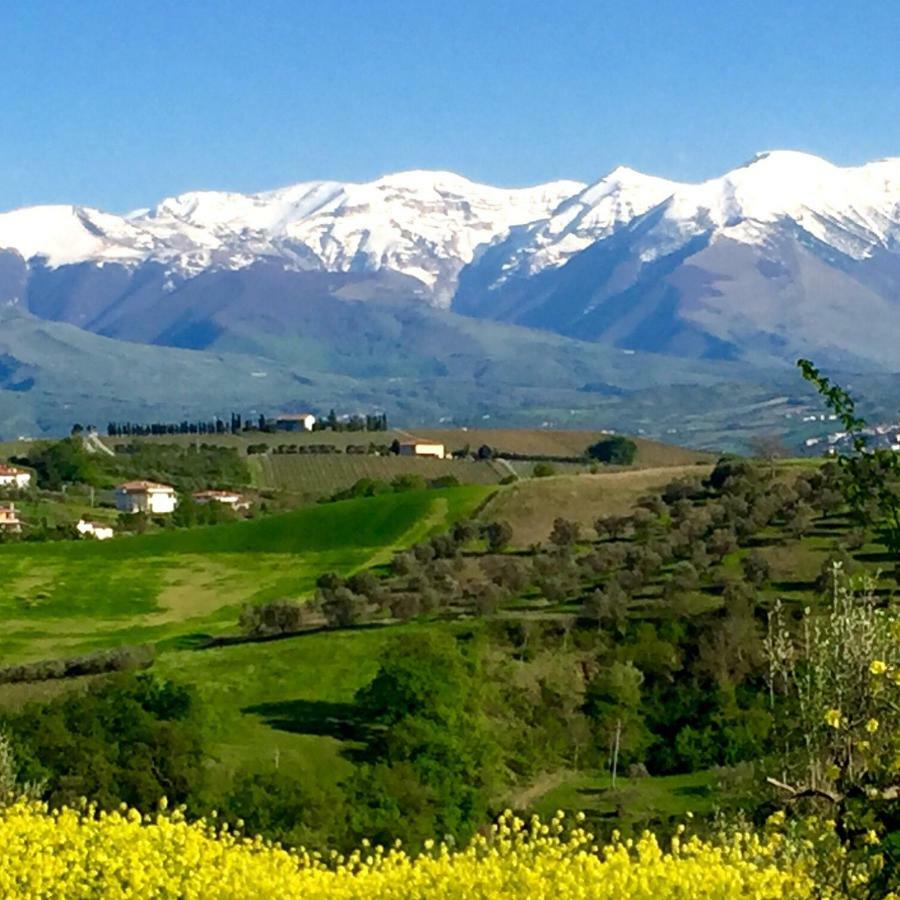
x=98, y=530
x=146, y=497
x=13, y=477
x=295, y=422
x=227, y=498
x=422, y=448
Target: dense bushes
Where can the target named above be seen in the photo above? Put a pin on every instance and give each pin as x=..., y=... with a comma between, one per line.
x=188, y=468
x=119, y=659
x=132, y=739
x=615, y=450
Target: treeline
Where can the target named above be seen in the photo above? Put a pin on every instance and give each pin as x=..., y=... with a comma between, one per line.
x=238, y=424
x=119, y=659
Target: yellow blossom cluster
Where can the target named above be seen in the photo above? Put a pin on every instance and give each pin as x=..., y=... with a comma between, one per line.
x=75, y=854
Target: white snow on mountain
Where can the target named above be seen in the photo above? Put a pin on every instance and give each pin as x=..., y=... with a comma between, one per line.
x=429, y=225
x=424, y=224
x=854, y=210
x=588, y=216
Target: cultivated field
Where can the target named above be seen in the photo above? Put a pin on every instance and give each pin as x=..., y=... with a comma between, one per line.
x=524, y=441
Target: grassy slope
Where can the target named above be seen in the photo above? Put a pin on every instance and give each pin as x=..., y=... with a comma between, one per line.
x=65, y=598
x=531, y=506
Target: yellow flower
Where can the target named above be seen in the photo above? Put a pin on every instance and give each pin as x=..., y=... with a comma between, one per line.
x=872, y=726
x=832, y=772
x=878, y=667
x=84, y=853
x=833, y=718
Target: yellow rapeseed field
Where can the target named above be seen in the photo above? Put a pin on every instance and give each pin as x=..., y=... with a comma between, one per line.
x=75, y=854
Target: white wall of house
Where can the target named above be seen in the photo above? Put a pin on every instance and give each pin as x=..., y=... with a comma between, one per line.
x=95, y=530
x=295, y=423
x=15, y=481
x=420, y=448
x=155, y=502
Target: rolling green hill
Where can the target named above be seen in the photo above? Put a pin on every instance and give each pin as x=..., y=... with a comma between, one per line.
x=67, y=598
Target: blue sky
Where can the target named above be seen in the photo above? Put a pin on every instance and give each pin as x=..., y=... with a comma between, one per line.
x=117, y=104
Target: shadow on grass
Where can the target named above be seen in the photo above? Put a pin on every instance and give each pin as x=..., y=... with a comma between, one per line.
x=230, y=640
x=342, y=721
x=794, y=586
x=884, y=558
x=694, y=790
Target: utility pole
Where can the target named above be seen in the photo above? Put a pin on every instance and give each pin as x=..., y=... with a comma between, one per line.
x=615, y=764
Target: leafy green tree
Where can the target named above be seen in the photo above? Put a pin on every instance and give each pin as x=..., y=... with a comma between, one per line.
x=616, y=450
x=425, y=707
x=543, y=470
x=565, y=533
x=131, y=739
x=756, y=568
x=62, y=462
x=294, y=810
x=613, y=704
x=342, y=608
x=498, y=535
x=612, y=526
x=871, y=482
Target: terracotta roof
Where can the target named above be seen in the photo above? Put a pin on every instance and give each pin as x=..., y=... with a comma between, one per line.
x=141, y=487
x=12, y=470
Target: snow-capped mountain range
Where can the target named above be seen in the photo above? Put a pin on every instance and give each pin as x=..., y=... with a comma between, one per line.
x=786, y=254
x=427, y=225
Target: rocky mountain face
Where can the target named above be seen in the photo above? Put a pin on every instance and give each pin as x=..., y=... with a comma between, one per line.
x=783, y=256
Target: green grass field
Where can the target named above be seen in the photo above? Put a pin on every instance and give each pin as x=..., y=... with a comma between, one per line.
x=280, y=702
x=633, y=800
x=67, y=598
